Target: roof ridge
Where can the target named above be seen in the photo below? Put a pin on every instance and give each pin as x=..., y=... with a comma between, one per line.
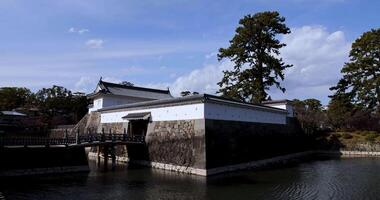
x=134, y=87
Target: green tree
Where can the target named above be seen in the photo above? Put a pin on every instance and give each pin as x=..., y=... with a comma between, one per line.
x=361, y=75
x=54, y=100
x=340, y=111
x=313, y=104
x=188, y=93
x=14, y=97
x=254, y=50
x=79, y=106
x=310, y=114
x=127, y=83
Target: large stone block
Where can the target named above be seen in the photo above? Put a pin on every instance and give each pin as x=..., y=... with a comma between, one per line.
x=177, y=142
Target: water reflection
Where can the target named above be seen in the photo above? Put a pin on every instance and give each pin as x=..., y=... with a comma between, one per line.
x=356, y=178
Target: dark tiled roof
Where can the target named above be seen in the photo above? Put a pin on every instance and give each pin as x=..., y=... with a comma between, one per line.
x=115, y=85
x=137, y=116
x=132, y=91
x=276, y=101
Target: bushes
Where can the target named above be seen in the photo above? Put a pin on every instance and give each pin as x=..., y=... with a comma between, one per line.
x=347, y=136
x=371, y=136
x=363, y=136
x=343, y=135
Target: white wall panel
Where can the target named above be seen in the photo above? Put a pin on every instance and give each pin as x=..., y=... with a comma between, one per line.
x=234, y=113
x=97, y=104
x=287, y=107
x=201, y=111
x=183, y=112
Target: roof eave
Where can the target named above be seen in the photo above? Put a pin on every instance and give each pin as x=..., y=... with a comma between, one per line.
x=203, y=98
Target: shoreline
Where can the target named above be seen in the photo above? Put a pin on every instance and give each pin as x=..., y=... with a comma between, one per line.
x=258, y=164
x=277, y=162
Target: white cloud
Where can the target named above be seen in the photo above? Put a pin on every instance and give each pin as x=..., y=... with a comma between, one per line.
x=85, y=84
x=211, y=55
x=112, y=79
x=80, y=31
x=88, y=83
x=95, y=43
x=134, y=70
x=203, y=80
x=317, y=56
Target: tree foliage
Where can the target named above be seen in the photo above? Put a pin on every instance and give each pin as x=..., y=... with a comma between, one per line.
x=188, y=93
x=361, y=75
x=310, y=114
x=127, y=83
x=54, y=100
x=340, y=111
x=59, y=101
x=14, y=97
x=51, y=103
x=254, y=50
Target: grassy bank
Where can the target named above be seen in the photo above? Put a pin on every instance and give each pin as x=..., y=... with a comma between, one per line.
x=358, y=140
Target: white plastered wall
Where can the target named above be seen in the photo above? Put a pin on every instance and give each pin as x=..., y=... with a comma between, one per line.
x=284, y=106
x=235, y=113
x=97, y=104
x=202, y=111
x=172, y=113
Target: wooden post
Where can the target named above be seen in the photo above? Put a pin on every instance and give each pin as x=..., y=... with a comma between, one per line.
x=98, y=147
x=47, y=142
x=113, y=156
x=66, y=138
x=103, y=136
x=105, y=152
x=125, y=134
x=77, y=137
x=130, y=132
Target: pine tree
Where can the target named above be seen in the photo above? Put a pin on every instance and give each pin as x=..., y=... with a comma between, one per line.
x=361, y=75
x=254, y=50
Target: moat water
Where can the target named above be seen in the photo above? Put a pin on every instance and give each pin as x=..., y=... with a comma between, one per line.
x=338, y=178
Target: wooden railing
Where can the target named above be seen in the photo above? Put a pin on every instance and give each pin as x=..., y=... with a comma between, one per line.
x=88, y=139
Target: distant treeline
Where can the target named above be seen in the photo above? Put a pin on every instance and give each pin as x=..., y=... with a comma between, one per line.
x=52, y=106
x=338, y=115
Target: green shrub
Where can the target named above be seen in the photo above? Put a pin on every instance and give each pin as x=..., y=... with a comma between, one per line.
x=358, y=132
x=371, y=136
x=346, y=136
x=338, y=135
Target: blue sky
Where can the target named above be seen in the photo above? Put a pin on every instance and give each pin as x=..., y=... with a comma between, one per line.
x=170, y=43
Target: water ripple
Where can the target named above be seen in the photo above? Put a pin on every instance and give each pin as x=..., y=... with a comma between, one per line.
x=328, y=179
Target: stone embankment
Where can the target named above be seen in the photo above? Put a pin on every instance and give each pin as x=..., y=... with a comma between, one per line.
x=42, y=160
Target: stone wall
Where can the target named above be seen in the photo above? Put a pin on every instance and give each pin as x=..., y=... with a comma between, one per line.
x=90, y=122
x=60, y=132
x=184, y=145
x=233, y=142
x=114, y=127
x=177, y=142
x=93, y=122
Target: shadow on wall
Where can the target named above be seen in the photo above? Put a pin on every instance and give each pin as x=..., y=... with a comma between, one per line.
x=233, y=142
